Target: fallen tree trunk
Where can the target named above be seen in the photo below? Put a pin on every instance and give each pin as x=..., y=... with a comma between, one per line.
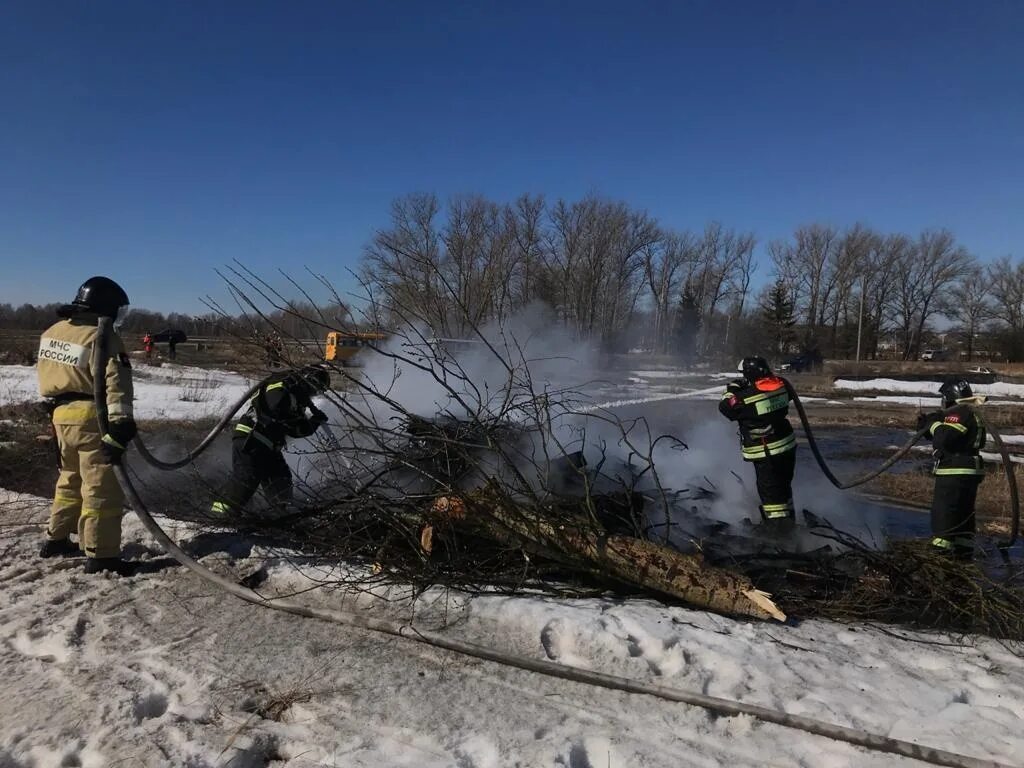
x=626, y=559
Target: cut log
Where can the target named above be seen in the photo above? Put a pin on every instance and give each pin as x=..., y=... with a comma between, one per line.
x=625, y=559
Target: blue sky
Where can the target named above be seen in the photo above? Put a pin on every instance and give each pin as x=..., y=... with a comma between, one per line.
x=154, y=142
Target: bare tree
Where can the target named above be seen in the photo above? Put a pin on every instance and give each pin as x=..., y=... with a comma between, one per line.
x=922, y=276
x=808, y=262
x=1006, y=284
x=665, y=264
x=401, y=265
x=722, y=256
x=883, y=259
x=848, y=263
x=595, y=254
x=969, y=303
x=525, y=223
x=478, y=263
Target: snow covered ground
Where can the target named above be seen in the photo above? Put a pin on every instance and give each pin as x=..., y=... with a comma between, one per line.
x=162, y=670
x=986, y=455
x=997, y=389
x=172, y=392
x=921, y=401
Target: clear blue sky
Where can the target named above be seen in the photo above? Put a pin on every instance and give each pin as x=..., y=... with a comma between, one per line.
x=154, y=141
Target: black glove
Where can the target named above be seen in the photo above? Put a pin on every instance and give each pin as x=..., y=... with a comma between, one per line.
x=925, y=419
x=115, y=442
x=317, y=416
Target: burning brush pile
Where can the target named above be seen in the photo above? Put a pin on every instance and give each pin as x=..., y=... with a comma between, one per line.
x=522, y=486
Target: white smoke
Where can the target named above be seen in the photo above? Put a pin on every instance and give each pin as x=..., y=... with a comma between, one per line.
x=501, y=373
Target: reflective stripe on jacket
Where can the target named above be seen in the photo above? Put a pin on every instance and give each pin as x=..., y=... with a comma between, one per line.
x=277, y=411
x=760, y=409
x=958, y=435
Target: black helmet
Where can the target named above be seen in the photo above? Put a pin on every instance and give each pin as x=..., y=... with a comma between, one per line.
x=102, y=296
x=317, y=378
x=754, y=368
x=953, y=390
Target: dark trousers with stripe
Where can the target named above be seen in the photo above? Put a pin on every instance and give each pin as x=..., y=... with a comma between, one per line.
x=775, y=484
x=255, y=466
x=953, y=508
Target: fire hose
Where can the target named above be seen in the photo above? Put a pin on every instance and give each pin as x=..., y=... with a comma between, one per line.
x=1011, y=477
x=204, y=444
x=722, y=706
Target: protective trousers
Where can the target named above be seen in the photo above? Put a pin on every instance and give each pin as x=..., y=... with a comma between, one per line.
x=775, y=485
x=88, y=499
x=254, y=465
x=953, y=521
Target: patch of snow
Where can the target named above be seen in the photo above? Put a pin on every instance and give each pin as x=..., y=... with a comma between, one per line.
x=923, y=402
x=1001, y=389
x=167, y=392
x=1012, y=439
x=161, y=669
x=671, y=373
x=986, y=455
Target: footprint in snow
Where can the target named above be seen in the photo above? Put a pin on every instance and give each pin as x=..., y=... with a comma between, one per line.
x=558, y=642
x=594, y=752
x=663, y=657
x=149, y=705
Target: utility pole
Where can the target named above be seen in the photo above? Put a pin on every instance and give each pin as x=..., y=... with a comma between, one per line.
x=860, y=317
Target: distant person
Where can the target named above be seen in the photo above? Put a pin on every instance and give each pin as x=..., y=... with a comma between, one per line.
x=958, y=435
x=172, y=343
x=147, y=344
x=759, y=402
x=277, y=411
x=88, y=500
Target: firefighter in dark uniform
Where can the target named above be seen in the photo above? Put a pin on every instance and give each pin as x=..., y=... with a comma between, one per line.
x=277, y=411
x=88, y=500
x=958, y=435
x=759, y=403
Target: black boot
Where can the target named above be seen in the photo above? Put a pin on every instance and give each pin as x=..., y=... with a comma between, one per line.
x=778, y=526
x=111, y=564
x=59, y=548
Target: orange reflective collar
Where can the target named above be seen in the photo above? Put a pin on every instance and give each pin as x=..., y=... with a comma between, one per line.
x=768, y=383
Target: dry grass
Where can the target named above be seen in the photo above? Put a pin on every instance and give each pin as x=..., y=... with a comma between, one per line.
x=18, y=349
x=916, y=489
x=912, y=585
x=28, y=462
x=866, y=414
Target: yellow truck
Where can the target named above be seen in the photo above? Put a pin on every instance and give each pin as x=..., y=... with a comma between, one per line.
x=341, y=346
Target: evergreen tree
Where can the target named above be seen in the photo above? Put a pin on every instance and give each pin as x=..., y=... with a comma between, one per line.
x=778, y=316
x=687, y=324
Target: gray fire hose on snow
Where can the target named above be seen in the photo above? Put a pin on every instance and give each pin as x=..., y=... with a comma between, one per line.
x=576, y=674
x=1011, y=477
x=206, y=441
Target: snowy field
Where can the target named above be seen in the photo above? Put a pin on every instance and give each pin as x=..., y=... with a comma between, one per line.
x=172, y=392
x=929, y=388
x=162, y=670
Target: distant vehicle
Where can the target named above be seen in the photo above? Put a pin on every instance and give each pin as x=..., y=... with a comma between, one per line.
x=808, y=361
x=169, y=335
x=343, y=345
x=981, y=369
x=935, y=355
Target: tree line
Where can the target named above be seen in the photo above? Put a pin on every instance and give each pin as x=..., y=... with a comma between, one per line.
x=294, y=321
x=613, y=273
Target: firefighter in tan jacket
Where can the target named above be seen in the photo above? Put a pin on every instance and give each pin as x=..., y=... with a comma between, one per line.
x=88, y=499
